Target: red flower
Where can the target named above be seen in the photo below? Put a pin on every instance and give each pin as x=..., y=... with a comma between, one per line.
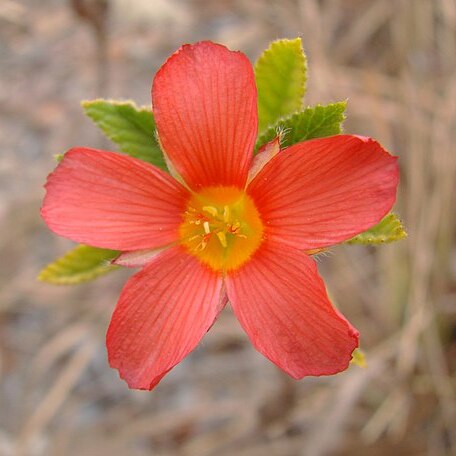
x=226, y=234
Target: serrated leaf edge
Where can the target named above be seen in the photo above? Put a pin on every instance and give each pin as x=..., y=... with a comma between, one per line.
x=262, y=60
x=284, y=119
x=130, y=103
x=302, y=63
x=399, y=233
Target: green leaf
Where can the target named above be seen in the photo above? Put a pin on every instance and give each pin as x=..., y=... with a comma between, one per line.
x=280, y=73
x=389, y=229
x=81, y=264
x=358, y=358
x=130, y=127
x=314, y=122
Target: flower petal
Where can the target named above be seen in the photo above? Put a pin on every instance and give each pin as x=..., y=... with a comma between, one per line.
x=321, y=192
x=282, y=304
x=113, y=201
x=205, y=107
x=163, y=312
x=264, y=155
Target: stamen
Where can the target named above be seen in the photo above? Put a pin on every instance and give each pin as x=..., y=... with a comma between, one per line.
x=204, y=239
x=226, y=213
x=211, y=210
x=234, y=227
x=229, y=214
x=222, y=238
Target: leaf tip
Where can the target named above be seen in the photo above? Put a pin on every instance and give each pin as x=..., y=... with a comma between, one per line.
x=45, y=276
x=359, y=358
x=41, y=277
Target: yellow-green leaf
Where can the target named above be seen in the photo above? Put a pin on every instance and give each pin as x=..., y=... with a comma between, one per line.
x=81, y=264
x=314, y=122
x=280, y=74
x=389, y=229
x=358, y=358
x=130, y=127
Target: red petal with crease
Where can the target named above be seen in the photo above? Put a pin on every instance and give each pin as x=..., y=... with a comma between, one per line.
x=205, y=107
x=321, y=192
x=113, y=201
x=163, y=312
x=281, y=302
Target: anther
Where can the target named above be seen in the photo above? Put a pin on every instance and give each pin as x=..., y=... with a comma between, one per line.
x=211, y=210
x=226, y=213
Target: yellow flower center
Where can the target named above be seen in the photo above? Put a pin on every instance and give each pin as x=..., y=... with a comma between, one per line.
x=221, y=227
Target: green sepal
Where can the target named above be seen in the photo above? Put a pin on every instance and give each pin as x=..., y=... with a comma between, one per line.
x=389, y=229
x=280, y=74
x=130, y=127
x=358, y=358
x=314, y=122
x=81, y=264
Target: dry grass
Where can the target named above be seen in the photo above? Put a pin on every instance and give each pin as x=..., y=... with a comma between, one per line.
x=396, y=63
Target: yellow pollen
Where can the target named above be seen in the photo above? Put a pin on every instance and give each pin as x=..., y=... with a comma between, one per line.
x=229, y=214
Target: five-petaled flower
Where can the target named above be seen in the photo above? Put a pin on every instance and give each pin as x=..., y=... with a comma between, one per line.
x=227, y=227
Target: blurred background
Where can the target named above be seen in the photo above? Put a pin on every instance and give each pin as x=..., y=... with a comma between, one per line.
x=396, y=63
